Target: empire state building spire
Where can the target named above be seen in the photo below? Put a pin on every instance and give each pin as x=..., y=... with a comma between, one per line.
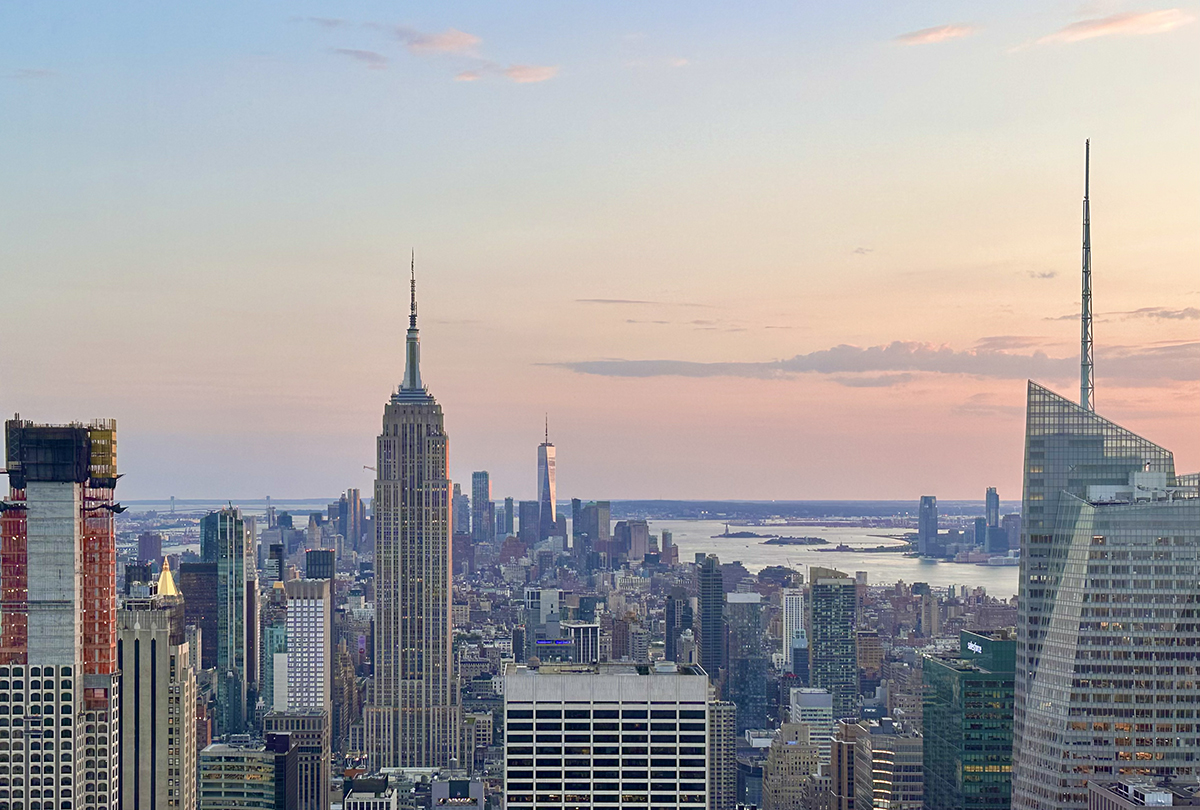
x=412, y=344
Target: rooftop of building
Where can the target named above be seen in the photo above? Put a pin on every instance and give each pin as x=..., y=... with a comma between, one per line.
x=512, y=668
x=1145, y=792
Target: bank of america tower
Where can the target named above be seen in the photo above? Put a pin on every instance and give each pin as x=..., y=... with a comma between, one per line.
x=412, y=720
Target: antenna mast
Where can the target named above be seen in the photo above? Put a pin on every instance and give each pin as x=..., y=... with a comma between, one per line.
x=1087, y=384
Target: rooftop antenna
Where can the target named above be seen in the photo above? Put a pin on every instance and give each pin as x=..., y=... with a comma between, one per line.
x=1087, y=384
x=547, y=428
x=412, y=285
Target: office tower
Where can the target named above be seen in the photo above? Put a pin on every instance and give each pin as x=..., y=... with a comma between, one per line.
x=319, y=563
x=137, y=574
x=275, y=563
x=992, y=507
x=888, y=767
x=309, y=644
x=529, y=517
x=678, y=618
x=722, y=755
x=967, y=723
x=481, y=501
x=158, y=699
x=832, y=643
x=242, y=774
x=352, y=518
x=1011, y=526
x=412, y=721
x=58, y=624
x=711, y=623
x=509, y=515
x=462, y=511
x=662, y=716
x=747, y=664
x=799, y=651
x=150, y=547
x=347, y=707
x=927, y=527
x=585, y=641
x=1106, y=615
x=225, y=541
x=273, y=661
x=792, y=602
x=841, y=766
x=308, y=731
x=547, y=488
x=198, y=584
x=814, y=708
x=979, y=530
x=638, y=538
x=791, y=758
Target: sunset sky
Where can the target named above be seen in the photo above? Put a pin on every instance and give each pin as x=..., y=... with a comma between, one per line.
x=769, y=250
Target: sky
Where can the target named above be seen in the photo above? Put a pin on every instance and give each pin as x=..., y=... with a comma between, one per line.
x=780, y=250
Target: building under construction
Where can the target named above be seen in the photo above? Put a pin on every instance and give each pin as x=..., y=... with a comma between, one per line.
x=58, y=630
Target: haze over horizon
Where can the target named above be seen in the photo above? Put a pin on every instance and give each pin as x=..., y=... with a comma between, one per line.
x=792, y=251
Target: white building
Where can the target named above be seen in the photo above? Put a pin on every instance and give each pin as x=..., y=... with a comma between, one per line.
x=793, y=621
x=600, y=731
x=815, y=707
x=308, y=644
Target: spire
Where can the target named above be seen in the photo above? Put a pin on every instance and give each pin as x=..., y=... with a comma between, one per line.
x=547, y=428
x=166, y=582
x=412, y=343
x=1087, y=385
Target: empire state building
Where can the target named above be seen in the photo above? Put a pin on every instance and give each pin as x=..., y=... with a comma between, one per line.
x=412, y=720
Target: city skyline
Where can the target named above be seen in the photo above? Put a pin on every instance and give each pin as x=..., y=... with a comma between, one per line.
x=247, y=332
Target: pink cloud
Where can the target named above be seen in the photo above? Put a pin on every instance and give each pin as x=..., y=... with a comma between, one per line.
x=449, y=41
x=525, y=74
x=468, y=76
x=1125, y=24
x=929, y=36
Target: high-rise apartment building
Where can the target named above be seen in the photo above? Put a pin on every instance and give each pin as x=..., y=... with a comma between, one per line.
x=58, y=623
x=412, y=720
x=678, y=617
x=547, y=489
x=1107, y=641
x=711, y=622
x=225, y=541
x=309, y=644
x=792, y=603
x=722, y=755
x=967, y=723
x=991, y=507
x=481, y=507
x=833, y=649
x=627, y=736
x=927, y=527
x=158, y=702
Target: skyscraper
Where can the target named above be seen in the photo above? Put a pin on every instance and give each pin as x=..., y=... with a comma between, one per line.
x=1106, y=635
x=509, y=515
x=711, y=619
x=547, y=488
x=967, y=723
x=412, y=721
x=832, y=645
x=158, y=698
x=927, y=527
x=746, y=681
x=792, y=602
x=481, y=502
x=992, y=508
x=225, y=541
x=678, y=617
x=461, y=505
x=58, y=624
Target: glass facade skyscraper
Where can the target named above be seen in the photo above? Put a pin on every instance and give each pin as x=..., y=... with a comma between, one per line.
x=1107, y=634
x=967, y=724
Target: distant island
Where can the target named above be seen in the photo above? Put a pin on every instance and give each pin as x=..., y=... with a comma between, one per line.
x=872, y=550
x=795, y=541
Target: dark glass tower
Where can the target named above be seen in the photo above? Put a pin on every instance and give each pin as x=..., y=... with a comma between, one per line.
x=1107, y=639
x=967, y=724
x=746, y=679
x=711, y=619
x=927, y=527
x=225, y=542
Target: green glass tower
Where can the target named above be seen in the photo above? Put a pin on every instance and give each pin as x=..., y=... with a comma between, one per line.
x=968, y=724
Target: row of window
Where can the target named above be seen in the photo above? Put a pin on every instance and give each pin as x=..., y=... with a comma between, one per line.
x=583, y=714
x=585, y=800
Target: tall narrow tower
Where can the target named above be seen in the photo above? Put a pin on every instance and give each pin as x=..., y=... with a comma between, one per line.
x=1087, y=383
x=547, y=488
x=412, y=722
